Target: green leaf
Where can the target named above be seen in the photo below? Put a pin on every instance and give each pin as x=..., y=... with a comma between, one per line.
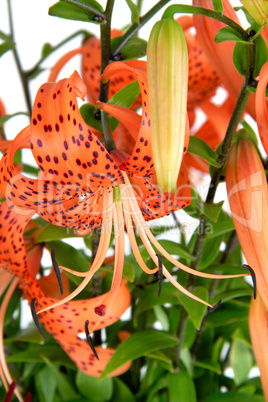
x=241, y=361
x=69, y=256
x=93, y=387
x=221, y=228
x=45, y=385
x=137, y=345
x=195, y=309
x=6, y=117
x=181, y=387
x=125, y=98
x=133, y=49
x=239, y=58
x=47, y=49
x=162, y=317
x=234, y=397
x=135, y=14
x=217, y=5
x=201, y=148
x=208, y=365
x=251, y=132
x=149, y=298
x=229, y=33
x=212, y=211
x=37, y=353
x=121, y=392
x=260, y=54
x=51, y=233
x=71, y=12
x=66, y=391
x=5, y=47
x=209, y=252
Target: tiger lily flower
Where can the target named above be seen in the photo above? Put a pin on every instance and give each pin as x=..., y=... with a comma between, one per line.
x=258, y=328
x=258, y=9
x=261, y=106
x=90, y=68
x=19, y=264
x=220, y=55
x=248, y=199
x=82, y=186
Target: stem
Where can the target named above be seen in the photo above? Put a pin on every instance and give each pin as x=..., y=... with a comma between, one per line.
x=22, y=75
x=231, y=129
x=92, y=10
x=177, y=8
x=104, y=87
x=133, y=29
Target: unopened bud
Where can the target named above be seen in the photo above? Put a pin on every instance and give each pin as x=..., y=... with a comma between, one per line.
x=258, y=9
x=167, y=70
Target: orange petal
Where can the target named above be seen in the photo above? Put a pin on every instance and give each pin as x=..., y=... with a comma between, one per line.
x=248, y=199
x=258, y=327
x=220, y=55
x=261, y=106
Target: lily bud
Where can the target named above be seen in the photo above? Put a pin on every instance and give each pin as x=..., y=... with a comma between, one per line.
x=248, y=199
x=258, y=9
x=258, y=328
x=167, y=71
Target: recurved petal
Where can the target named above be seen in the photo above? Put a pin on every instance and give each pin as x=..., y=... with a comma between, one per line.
x=140, y=161
x=12, y=248
x=258, y=327
x=154, y=204
x=63, y=145
x=66, y=323
x=261, y=106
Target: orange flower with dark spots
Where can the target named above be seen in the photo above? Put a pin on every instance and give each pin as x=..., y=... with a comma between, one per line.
x=261, y=106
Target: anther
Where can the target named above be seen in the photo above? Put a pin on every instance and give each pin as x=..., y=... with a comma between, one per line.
x=35, y=318
x=10, y=392
x=210, y=309
x=253, y=276
x=89, y=340
x=57, y=270
x=100, y=310
x=160, y=273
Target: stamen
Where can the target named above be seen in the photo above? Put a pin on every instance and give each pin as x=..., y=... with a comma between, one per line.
x=35, y=318
x=10, y=392
x=253, y=276
x=28, y=397
x=89, y=340
x=210, y=309
x=57, y=270
x=160, y=273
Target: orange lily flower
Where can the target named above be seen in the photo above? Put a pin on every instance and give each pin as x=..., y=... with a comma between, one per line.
x=82, y=186
x=258, y=328
x=248, y=198
x=261, y=106
x=19, y=263
x=91, y=60
x=220, y=55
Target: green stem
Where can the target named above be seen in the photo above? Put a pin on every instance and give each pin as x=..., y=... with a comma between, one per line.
x=133, y=29
x=101, y=17
x=180, y=8
x=233, y=123
x=23, y=77
x=104, y=87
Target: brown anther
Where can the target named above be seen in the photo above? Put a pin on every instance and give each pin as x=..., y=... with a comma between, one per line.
x=89, y=340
